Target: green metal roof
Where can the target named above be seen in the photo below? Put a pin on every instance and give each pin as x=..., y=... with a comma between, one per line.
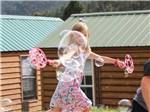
x=109, y=29
x=19, y=33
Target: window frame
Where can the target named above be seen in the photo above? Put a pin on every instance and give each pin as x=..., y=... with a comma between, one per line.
x=93, y=82
x=22, y=78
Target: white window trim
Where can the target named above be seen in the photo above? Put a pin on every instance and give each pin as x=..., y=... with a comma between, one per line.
x=86, y=85
x=93, y=81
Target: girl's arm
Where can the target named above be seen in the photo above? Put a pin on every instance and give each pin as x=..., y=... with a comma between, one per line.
x=106, y=59
x=97, y=57
x=145, y=84
x=54, y=63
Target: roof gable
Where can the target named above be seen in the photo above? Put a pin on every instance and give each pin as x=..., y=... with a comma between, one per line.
x=111, y=29
x=19, y=33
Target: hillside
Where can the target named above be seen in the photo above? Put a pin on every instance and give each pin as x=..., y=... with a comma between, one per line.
x=56, y=8
x=30, y=7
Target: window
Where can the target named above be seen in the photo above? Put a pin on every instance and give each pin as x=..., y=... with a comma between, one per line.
x=88, y=83
x=28, y=79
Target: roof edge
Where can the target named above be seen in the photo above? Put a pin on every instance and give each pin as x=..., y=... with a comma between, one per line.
x=30, y=17
x=112, y=13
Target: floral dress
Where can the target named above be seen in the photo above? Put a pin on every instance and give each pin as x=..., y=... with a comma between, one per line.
x=68, y=95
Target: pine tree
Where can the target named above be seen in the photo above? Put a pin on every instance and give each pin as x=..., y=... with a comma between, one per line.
x=72, y=8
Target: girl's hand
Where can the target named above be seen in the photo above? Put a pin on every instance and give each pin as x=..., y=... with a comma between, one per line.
x=119, y=64
x=54, y=63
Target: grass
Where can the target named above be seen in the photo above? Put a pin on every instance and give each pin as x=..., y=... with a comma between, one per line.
x=95, y=109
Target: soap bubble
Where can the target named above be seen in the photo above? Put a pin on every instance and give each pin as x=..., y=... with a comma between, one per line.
x=99, y=62
x=124, y=105
x=4, y=103
x=71, y=50
x=72, y=44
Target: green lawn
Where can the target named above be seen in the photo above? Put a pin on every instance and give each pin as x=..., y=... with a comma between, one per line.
x=95, y=109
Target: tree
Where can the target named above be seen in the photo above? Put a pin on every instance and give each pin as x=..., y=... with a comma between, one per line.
x=72, y=8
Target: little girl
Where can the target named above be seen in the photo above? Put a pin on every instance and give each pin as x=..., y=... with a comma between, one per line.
x=68, y=96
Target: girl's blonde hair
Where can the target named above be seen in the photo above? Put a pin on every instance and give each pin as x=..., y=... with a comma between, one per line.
x=82, y=27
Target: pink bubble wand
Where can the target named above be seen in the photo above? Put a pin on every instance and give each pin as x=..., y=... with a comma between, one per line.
x=38, y=58
x=128, y=65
